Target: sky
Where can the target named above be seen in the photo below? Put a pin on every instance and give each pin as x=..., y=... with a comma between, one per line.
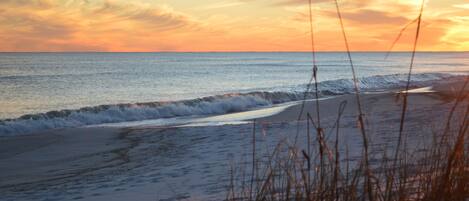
x=228, y=25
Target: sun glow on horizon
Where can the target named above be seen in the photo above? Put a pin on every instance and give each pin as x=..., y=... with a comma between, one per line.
x=226, y=25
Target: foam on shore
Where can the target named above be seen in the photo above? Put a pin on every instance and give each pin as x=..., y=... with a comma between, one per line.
x=212, y=105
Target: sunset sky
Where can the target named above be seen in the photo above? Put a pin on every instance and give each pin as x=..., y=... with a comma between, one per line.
x=227, y=25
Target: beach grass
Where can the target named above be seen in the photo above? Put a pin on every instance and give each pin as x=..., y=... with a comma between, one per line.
x=438, y=172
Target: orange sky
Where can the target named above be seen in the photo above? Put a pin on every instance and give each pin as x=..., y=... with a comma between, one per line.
x=227, y=25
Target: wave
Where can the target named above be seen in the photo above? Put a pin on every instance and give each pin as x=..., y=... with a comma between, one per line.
x=212, y=105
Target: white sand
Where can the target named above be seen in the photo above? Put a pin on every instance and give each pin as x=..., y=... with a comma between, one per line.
x=177, y=163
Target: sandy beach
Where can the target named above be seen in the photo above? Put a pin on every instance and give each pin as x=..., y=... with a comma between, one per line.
x=192, y=161
x=234, y=100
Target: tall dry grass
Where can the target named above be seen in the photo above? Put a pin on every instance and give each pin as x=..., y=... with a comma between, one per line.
x=319, y=170
x=291, y=172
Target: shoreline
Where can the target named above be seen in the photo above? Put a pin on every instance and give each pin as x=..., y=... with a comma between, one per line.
x=37, y=165
x=203, y=106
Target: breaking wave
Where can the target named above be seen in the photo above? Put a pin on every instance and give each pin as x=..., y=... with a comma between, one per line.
x=218, y=104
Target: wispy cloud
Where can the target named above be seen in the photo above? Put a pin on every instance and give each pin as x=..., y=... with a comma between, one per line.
x=219, y=5
x=156, y=18
x=297, y=2
x=226, y=25
x=82, y=25
x=463, y=6
x=28, y=3
x=368, y=16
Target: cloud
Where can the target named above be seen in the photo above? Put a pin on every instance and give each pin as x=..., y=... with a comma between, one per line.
x=38, y=4
x=297, y=2
x=361, y=17
x=36, y=26
x=219, y=5
x=257, y=25
x=156, y=18
x=315, y=2
x=463, y=6
x=80, y=25
x=367, y=16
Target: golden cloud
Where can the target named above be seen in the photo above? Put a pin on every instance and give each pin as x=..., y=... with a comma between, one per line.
x=277, y=25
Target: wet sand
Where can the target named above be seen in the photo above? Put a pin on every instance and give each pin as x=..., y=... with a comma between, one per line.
x=192, y=163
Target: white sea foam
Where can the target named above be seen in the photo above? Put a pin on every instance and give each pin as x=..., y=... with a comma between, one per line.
x=219, y=104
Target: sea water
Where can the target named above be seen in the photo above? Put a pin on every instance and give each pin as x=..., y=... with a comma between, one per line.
x=54, y=90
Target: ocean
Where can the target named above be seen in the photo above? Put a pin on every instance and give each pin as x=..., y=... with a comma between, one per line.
x=41, y=91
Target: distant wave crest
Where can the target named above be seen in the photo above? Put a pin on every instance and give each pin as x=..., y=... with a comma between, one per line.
x=218, y=104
